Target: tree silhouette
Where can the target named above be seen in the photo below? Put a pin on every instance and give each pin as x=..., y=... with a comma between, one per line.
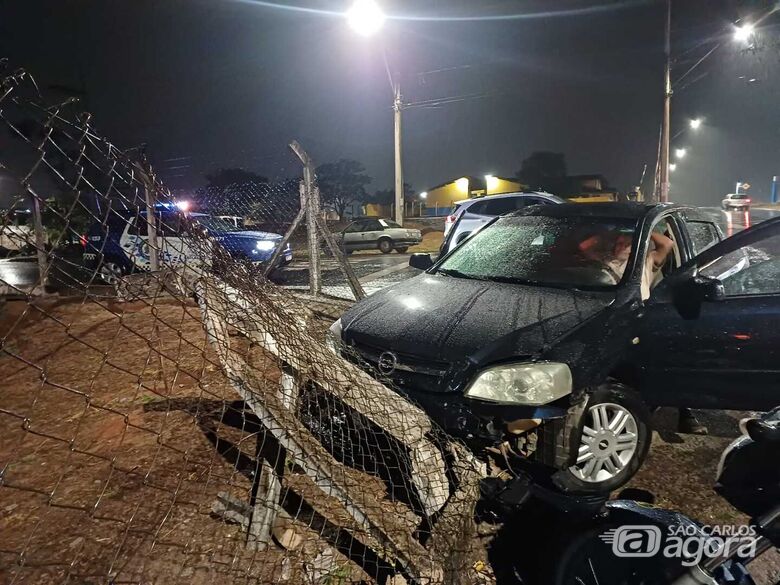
x=341, y=183
x=544, y=170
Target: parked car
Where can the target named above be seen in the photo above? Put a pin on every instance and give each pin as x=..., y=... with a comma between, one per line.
x=121, y=246
x=514, y=338
x=472, y=215
x=736, y=201
x=376, y=233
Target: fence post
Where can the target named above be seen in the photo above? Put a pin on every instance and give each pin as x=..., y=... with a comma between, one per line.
x=144, y=169
x=40, y=242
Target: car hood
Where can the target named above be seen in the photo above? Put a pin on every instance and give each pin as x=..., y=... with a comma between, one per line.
x=445, y=318
x=248, y=235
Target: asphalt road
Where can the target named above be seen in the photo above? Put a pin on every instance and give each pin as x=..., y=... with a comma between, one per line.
x=374, y=270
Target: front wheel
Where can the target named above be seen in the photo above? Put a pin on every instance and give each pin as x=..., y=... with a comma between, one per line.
x=110, y=273
x=385, y=246
x=611, y=440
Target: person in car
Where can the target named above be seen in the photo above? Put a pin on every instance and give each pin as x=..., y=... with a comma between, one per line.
x=612, y=250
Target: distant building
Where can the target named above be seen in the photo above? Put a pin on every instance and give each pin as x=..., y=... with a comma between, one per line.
x=588, y=188
x=439, y=199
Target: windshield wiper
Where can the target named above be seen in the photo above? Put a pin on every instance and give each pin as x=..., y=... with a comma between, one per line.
x=455, y=273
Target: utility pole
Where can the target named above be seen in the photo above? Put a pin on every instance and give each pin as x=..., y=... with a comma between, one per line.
x=399, y=173
x=666, y=127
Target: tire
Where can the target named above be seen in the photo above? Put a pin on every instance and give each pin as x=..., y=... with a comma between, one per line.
x=602, y=459
x=110, y=272
x=402, y=249
x=385, y=245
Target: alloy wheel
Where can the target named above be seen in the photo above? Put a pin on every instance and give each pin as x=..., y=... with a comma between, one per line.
x=608, y=442
x=110, y=272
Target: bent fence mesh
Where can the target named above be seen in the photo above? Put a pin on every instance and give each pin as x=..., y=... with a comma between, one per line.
x=178, y=417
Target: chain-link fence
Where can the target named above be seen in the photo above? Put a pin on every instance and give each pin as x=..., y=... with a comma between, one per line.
x=174, y=416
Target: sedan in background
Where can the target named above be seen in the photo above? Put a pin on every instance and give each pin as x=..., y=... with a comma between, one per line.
x=736, y=201
x=375, y=233
x=471, y=215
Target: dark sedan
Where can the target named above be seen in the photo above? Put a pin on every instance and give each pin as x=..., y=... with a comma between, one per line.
x=518, y=338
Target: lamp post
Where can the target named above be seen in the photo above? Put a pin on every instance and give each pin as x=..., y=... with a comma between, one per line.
x=366, y=18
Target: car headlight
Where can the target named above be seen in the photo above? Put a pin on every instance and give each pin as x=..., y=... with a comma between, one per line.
x=333, y=337
x=265, y=245
x=530, y=384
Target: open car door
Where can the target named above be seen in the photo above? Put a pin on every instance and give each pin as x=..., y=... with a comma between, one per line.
x=709, y=336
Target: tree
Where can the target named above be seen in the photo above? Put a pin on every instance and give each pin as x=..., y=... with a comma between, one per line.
x=232, y=191
x=341, y=183
x=544, y=170
x=387, y=196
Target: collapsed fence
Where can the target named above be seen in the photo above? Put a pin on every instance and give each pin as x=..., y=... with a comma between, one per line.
x=187, y=423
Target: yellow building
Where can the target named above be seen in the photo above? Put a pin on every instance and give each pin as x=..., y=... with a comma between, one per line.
x=439, y=199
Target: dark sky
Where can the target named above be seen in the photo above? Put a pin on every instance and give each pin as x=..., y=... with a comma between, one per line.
x=216, y=83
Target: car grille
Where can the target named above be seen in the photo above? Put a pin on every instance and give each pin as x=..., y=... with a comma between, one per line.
x=411, y=372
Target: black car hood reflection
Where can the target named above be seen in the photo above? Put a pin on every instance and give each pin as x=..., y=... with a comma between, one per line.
x=445, y=318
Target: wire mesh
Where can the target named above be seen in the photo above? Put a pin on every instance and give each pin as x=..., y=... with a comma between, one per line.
x=172, y=415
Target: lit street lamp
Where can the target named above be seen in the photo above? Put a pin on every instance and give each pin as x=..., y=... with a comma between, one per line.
x=695, y=124
x=672, y=167
x=424, y=195
x=744, y=33
x=365, y=17
x=680, y=152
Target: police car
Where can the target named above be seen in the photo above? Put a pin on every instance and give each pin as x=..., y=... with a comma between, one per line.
x=121, y=246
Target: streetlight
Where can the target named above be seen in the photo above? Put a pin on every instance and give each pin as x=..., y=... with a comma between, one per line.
x=744, y=32
x=680, y=152
x=424, y=195
x=672, y=167
x=695, y=124
x=365, y=17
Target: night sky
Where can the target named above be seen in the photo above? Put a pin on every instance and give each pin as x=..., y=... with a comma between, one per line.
x=223, y=83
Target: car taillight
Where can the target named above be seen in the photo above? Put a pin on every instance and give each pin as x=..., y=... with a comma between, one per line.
x=450, y=219
x=747, y=200
x=83, y=241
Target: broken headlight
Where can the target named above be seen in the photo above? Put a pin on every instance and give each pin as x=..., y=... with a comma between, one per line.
x=333, y=337
x=530, y=384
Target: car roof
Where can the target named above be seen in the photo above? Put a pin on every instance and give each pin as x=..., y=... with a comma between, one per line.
x=506, y=196
x=601, y=209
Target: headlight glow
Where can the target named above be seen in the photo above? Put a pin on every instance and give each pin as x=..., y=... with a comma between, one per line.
x=333, y=337
x=531, y=384
x=266, y=245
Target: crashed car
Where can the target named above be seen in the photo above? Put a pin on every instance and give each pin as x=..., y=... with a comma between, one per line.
x=516, y=341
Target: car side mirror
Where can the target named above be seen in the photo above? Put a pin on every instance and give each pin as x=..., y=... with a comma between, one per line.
x=691, y=293
x=420, y=261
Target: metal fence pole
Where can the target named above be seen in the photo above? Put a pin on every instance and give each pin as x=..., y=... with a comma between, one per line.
x=40, y=241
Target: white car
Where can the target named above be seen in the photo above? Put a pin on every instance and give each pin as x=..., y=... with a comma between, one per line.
x=736, y=201
x=471, y=215
x=372, y=233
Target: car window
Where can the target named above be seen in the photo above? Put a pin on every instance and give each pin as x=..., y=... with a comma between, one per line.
x=138, y=226
x=703, y=235
x=751, y=270
x=389, y=223
x=170, y=225
x=497, y=206
x=355, y=226
x=372, y=225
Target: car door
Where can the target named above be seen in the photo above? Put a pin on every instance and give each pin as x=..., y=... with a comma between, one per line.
x=729, y=355
x=372, y=230
x=353, y=234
